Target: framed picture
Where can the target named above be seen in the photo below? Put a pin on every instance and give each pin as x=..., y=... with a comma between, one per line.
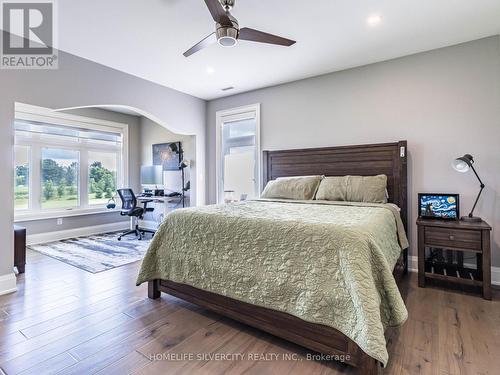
x=439, y=206
x=169, y=155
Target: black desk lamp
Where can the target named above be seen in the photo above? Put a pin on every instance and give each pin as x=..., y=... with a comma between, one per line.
x=463, y=164
x=176, y=148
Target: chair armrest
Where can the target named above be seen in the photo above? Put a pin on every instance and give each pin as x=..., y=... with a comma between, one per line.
x=145, y=205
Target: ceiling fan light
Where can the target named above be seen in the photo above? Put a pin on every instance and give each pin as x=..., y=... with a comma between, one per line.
x=227, y=41
x=227, y=36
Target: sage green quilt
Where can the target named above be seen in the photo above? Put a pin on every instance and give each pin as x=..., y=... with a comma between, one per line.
x=325, y=262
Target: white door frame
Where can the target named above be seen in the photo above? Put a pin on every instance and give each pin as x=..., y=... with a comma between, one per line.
x=229, y=115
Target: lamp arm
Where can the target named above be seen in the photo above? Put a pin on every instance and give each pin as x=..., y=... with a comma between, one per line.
x=479, y=179
x=183, y=193
x=471, y=214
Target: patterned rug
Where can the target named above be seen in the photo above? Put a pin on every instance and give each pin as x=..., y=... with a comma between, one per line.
x=96, y=253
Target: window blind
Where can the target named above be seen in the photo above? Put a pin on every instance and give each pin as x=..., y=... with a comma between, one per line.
x=75, y=134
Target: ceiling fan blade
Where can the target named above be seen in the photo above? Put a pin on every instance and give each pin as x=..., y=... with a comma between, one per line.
x=262, y=37
x=218, y=13
x=200, y=45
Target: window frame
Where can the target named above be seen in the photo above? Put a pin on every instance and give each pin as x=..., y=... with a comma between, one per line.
x=30, y=178
x=36, y=143
x=231, y=115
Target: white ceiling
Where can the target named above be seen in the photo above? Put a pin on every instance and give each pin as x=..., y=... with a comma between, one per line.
x=147, y=38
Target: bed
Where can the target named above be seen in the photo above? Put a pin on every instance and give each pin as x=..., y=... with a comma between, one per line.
x=195, y=272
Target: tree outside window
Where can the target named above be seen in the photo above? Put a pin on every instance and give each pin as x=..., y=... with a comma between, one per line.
x=102, y=177
x=59, y=175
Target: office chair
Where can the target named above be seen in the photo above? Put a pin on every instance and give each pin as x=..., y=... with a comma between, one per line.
x=130, y=208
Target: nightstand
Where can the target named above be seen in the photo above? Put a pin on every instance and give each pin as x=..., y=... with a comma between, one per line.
x=448, y=240
x=19, y=248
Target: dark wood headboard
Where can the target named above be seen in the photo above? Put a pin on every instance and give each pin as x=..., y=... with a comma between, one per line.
x=359, y=160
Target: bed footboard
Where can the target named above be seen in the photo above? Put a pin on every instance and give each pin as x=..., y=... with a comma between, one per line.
x=316, y=337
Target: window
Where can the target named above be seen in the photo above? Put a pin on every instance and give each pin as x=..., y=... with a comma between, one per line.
x=238, y=162
x=102, y=177
x=60, y=175
x=66, y=164
x=22, y=177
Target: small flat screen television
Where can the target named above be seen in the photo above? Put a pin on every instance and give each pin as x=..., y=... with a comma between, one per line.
x=438, y=206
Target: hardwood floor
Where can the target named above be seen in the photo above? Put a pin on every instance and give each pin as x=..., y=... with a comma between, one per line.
x=67, y=321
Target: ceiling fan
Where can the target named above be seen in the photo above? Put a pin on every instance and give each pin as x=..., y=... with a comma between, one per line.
x=227, y=30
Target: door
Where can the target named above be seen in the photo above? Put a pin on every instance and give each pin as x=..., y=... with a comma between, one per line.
x=238, y=161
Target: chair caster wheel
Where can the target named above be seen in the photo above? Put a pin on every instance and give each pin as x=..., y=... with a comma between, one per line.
x=119, y=238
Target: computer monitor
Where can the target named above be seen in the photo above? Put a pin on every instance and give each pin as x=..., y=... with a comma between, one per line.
x=151, y=175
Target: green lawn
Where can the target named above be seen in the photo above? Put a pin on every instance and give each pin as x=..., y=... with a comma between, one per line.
x=21, y=197
x=67, y=201
x=93, y=200
x=21, y=200
x=21, y=203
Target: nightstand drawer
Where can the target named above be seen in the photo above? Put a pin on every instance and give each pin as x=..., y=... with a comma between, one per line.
x=456, y=238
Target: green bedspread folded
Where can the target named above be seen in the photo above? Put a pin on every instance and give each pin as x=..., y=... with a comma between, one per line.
x=325, y=262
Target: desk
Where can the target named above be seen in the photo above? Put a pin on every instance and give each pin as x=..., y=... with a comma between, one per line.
x=162, y=206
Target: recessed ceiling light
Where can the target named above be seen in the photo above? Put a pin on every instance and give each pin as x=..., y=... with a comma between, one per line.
x=374, y=19
x=210, y=70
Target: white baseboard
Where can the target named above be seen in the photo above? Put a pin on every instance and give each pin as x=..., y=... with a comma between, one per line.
x=412, y=263
x=38, y=238
x=495, y=271
x=8, y=283
x=495, y=275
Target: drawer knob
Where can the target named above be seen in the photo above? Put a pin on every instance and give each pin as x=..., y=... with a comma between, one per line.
x=452, y=237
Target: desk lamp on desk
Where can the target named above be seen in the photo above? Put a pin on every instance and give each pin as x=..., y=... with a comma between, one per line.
x=152, y=175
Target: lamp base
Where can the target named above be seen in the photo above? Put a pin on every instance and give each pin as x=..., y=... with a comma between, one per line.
x=471, y=219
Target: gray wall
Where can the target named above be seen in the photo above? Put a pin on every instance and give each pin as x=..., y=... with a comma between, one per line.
x=444, y=102
x=72, y=222
x=151, y=133
x=79, y=82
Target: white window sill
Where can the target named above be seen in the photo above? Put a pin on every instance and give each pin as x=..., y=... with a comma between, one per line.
x=31, y=216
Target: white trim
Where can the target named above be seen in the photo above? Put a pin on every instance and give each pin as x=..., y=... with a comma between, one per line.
x=235, y=114
x=412, y=263
x=495, y=271
x=495, y=276
x=8, y=283
x=34, y=112
x=34, y=239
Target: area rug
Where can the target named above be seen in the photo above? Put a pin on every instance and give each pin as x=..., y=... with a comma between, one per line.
x=96, y=253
